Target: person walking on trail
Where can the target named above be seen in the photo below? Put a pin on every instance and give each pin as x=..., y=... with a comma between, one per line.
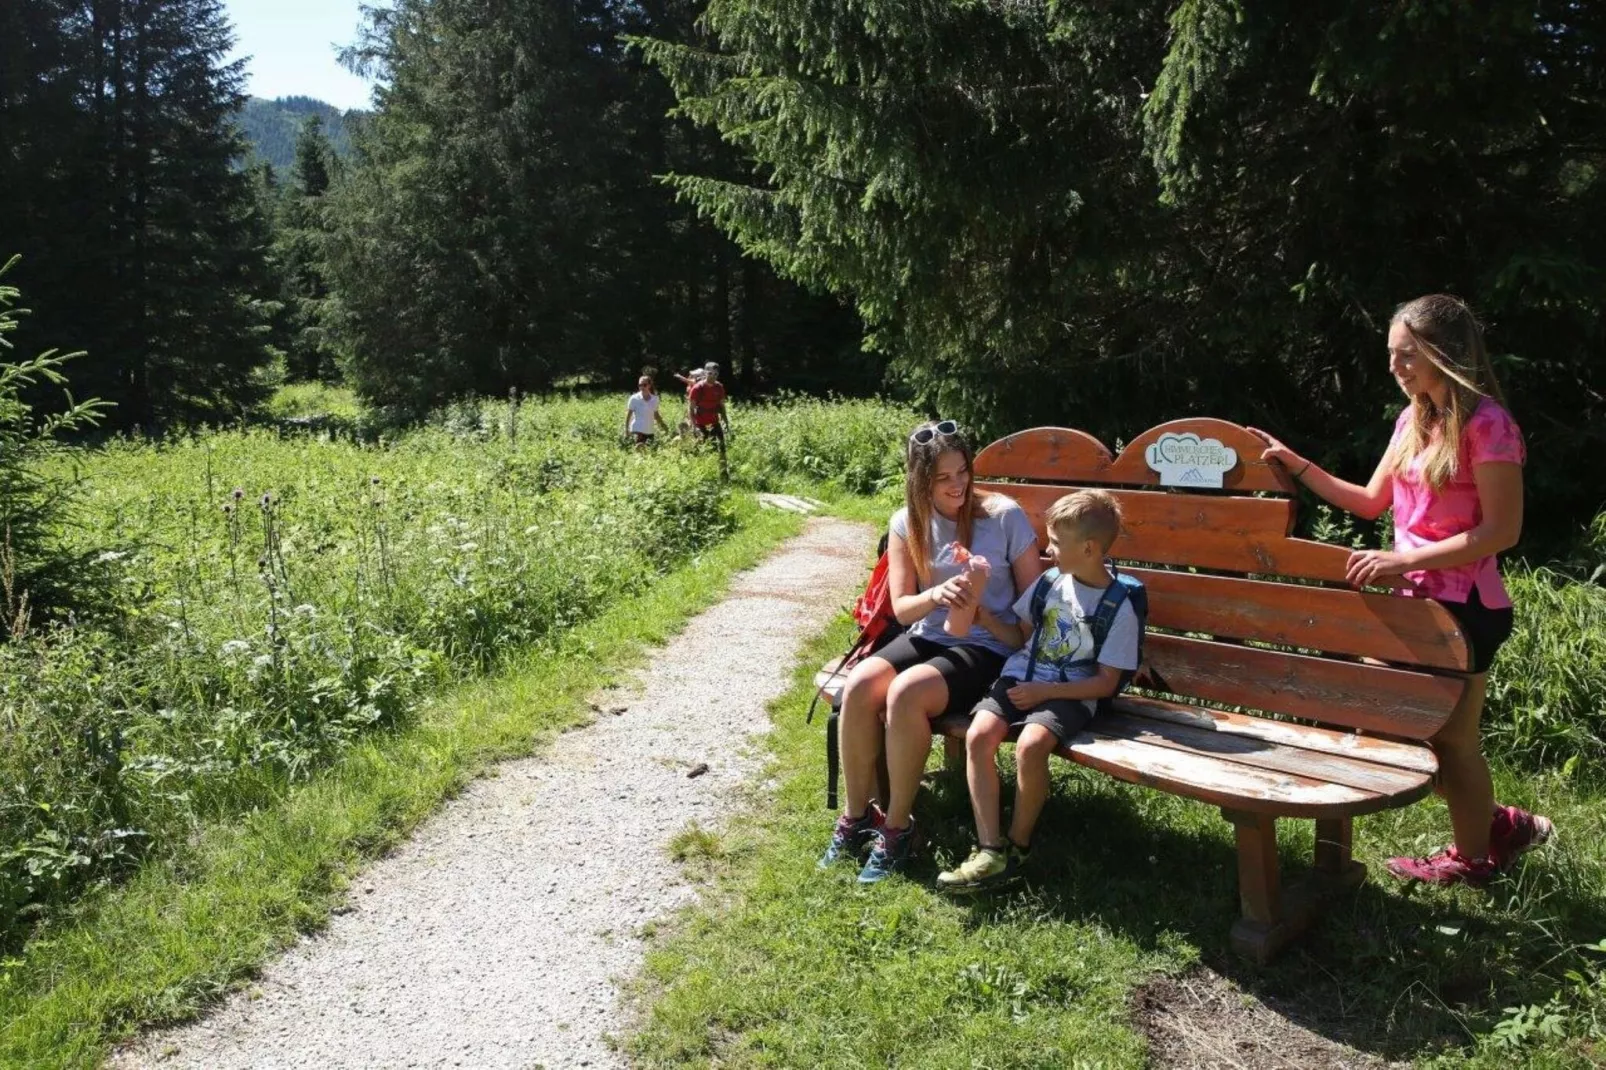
x=1453, y=475
x=641, y=413
x=709, y=420
x=957, y=561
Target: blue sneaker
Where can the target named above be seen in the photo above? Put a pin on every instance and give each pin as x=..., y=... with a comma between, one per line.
x=892, y=849
x=851, y=835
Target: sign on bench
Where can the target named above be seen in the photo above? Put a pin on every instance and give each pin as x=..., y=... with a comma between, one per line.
x=1270, y=688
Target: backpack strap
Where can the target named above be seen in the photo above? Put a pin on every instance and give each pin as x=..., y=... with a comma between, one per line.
x=1045, y=583
x=1103, y=619
x=1109, y=605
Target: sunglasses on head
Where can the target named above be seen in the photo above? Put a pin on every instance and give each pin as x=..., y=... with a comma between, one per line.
x=924, y=435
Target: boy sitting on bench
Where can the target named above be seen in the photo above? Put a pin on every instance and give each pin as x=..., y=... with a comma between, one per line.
x=1082, y=629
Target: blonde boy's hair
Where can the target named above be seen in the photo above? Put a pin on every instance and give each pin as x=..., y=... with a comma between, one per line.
x=1086, y=514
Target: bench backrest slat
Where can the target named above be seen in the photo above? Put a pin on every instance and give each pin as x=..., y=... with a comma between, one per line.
x=1276, y=589
x=1400, y=702
x=1228, y=534
x=1415, y=631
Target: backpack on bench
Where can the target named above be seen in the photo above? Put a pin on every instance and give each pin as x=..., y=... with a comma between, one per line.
x=878, y=626
x=1124, y=589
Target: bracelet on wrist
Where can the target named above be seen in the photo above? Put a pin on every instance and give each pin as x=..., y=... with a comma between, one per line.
x=1301, y=473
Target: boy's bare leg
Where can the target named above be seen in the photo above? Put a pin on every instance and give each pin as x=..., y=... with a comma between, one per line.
x=987, y=732
x=863, y=698
x=1032, y=751
x=915, y=697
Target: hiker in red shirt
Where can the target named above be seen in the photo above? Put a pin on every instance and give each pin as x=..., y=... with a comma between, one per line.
x=706, y=400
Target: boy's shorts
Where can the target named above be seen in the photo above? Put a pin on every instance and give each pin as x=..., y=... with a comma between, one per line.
x=1062, y=716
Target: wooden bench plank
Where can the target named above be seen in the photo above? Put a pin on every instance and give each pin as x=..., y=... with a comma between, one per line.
x=1276, y=757
x=1251, y=473
x=1375, y=698
x=1414, y=757
x=1063, y=455
x=1226, y=534
x=1050, y=453
x=1217, y=780
x=1416, y=631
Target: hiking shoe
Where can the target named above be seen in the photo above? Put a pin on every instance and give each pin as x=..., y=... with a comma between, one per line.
x=851, y=836
x=987, y=867
x=891, y=851
x=1514, y=831
x=1445, y=867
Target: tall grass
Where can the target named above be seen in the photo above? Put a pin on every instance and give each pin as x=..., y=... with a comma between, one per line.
x=854, y=445
x=274, y=597
x=1547, y=688
x=277, y=597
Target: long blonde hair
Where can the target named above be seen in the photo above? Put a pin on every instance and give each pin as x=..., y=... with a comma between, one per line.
x=1445, y=331
x=920, y=474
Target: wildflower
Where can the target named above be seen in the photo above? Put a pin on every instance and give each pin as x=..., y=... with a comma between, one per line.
x=228, y=509
x=267, y=499
x=374, y=480
x=235, y=646
x=262, y=563
x=238, y=493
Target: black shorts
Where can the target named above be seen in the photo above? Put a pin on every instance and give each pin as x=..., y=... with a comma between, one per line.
x=711, y=431
x=1062, y=716
x=967, y=669
x=1486, y=629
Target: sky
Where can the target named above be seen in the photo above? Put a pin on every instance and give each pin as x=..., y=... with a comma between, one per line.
x=292, y=45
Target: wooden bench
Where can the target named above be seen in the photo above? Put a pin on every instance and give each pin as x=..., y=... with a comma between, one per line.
x=1269, y=688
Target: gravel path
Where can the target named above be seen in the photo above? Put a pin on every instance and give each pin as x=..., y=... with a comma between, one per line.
x=495, y=937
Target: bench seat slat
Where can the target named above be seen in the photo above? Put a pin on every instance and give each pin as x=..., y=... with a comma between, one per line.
x=1261, y=754
x=1415, y=631
x=1219, y=781
x=1375, y=698
x=1412, y=757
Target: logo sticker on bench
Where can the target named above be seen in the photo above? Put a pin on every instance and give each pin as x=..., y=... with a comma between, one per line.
x=1187, y=460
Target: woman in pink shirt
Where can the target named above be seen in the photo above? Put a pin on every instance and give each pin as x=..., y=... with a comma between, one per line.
x=1453, y=475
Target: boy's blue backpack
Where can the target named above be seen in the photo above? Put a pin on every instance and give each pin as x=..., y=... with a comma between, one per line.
x=1124, y=589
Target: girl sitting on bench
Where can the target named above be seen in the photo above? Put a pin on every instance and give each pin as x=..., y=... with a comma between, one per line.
x=891, y=697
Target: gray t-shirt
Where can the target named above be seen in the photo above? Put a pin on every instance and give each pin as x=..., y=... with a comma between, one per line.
x=1068, y=635
x=1001, y=537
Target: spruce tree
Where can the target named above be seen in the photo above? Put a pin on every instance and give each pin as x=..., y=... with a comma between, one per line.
x=137, y=228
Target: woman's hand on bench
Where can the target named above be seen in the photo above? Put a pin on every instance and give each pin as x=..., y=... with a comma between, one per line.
x=1373, y=568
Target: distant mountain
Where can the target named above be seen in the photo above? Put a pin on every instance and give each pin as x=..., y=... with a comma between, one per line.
x=271, y=127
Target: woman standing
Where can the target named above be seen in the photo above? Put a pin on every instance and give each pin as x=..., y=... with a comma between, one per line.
x=890, y=698
x=641, y=412
x=1453, y=475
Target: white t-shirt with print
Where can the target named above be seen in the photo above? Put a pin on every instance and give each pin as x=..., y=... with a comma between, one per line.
x=1067, y=638
x=642, y=411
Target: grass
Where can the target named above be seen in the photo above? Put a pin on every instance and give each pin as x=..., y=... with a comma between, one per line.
x=794, y=967
x=190, y=926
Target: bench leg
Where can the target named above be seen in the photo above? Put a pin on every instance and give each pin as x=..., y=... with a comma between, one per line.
x=1274, y=916
x=883, y=780
x=953, y=754
x=1335, y=861
x=1257, y=934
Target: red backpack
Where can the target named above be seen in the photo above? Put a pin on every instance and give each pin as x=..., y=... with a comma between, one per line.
x=872, y=611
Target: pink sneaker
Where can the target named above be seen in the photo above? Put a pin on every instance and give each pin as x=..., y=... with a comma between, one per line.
x=1448, y=866
x=1514, y=831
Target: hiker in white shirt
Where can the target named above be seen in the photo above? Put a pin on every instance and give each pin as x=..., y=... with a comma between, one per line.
x=642, y=413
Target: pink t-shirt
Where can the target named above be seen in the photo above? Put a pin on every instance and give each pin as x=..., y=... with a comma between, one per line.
x=1423, y=515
